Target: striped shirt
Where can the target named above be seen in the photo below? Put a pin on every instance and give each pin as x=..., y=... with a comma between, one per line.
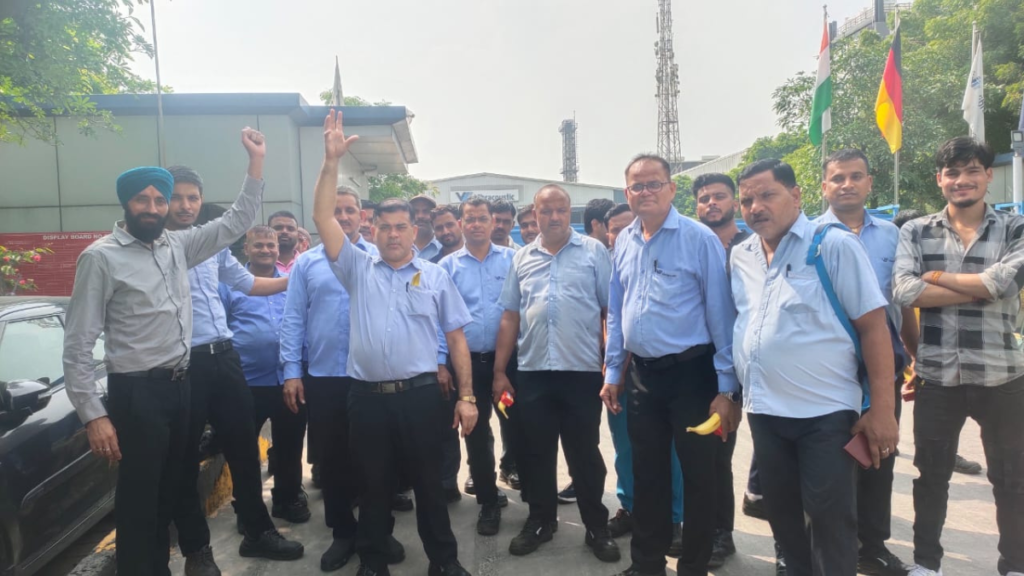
x=974, y=343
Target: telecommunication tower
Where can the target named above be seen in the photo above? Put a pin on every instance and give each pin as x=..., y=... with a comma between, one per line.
x=570, y=168
x=668, y=89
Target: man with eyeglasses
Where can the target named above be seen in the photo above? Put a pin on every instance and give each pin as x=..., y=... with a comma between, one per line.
x=668, y=267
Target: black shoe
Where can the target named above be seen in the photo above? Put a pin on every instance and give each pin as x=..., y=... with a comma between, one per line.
x=721, y=548
x=452, y=495
x=534, y=533
x=489, y=521
x=884, y=564
x=965, y=466
x=600, y=541
x=201, y=563
x=470, y=487
x=567, y=496
x=451, y=568
x=316, y=476
x=510, y=477
x=502, y=499
x=754, y=508
x=675, y=549
x=297, y=512
x=270, y=545
x=340, y=552
x=631, y=571
x=780, y=561
x=367, y=571
x=621, y=524
x=401, y=502
x=396, y=552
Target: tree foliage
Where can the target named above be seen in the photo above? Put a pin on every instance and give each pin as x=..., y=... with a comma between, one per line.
x=327, y=96
x=405, y=186
x=936, y=61
x=684, y=201
x=53, y=53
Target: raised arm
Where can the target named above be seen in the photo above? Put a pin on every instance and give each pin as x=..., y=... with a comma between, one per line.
x=203, y=242
x=336, y=145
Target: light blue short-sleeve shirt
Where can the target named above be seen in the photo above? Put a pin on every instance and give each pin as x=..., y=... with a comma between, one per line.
x=480, y=284
x=395, y=314
x=559, y=298
x=792, y=355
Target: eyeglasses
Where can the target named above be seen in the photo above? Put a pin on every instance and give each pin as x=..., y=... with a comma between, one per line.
x=654, y=186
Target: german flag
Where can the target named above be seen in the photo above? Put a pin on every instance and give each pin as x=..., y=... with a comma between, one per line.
x=889, y=106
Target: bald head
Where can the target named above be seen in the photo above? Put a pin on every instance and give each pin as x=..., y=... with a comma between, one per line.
x=549, y=191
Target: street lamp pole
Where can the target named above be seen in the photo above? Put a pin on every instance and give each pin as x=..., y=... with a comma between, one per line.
x=159, y=89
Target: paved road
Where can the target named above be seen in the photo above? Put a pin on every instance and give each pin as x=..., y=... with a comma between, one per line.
x=970, y=535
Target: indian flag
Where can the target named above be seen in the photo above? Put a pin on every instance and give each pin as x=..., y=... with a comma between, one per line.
x=821, y=108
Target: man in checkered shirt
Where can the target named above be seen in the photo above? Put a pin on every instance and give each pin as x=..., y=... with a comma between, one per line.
x=964, y=267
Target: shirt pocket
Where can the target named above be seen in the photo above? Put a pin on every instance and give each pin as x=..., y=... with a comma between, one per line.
x=799, y=294
x=665, y=285
x=419, y=302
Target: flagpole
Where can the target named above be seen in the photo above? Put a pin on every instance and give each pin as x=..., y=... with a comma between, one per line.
x=824, y=134
x=896, y=178
x=159, y=90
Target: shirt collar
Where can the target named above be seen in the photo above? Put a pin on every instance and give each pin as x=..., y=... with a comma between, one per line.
x=943, y=216
x=635, y=228
x=433, y=242
x=830, y=216
x=416, y=263
x=124, y=238
x=464, y=251
x=277, y=273
x=802, y=228
x=574, y=238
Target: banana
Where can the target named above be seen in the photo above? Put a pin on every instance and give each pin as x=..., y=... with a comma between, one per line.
x=710, y=425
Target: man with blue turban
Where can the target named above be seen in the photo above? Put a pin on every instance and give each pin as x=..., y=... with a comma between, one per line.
x=132, y=287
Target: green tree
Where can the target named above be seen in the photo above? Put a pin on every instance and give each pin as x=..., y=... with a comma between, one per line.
x=684, y=201
x=327, y=96
x=936, y=60
x=406, y=186
x=54, y=53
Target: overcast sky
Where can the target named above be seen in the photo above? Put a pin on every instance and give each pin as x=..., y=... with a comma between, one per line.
x=491, y=80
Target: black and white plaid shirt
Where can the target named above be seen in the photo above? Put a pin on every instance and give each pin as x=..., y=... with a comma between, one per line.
x=973, y=343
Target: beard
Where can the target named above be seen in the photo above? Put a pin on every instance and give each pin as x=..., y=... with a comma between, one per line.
x=143, y=231
x=726, y=218
x=965, y=203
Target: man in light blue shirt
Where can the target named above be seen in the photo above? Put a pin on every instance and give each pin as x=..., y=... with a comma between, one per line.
x=846, y=187
x=220, y=395
x=316, y=320
x=554, y=299
x=255, y=324
x=799, y=370
x=426, y=246
x=669, y=306
x=396, y=411
x=479, y=270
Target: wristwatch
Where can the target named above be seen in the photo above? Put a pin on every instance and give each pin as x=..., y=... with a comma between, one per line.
x=470, y=399
x=733, y=397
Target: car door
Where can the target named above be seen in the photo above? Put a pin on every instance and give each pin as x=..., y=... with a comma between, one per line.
x=46, y=468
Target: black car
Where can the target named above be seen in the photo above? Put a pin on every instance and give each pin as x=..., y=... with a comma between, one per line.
x=52, y=488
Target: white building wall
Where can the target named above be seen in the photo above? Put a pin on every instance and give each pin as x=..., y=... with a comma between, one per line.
x=519, y=191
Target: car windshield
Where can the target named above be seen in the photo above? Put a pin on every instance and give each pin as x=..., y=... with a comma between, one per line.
x=32, y=350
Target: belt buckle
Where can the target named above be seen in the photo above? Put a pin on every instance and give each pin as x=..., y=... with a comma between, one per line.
x=212, y=346
x=389, y=387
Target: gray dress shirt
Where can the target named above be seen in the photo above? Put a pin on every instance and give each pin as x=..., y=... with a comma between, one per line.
x=138, y=296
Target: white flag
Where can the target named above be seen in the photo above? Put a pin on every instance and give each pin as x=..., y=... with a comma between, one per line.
x=974, y=97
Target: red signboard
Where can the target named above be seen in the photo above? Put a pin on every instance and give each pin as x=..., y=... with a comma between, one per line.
x=55, y=274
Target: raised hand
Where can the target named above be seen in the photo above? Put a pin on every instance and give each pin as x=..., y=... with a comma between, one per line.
x=336, y=144
x=255, y=143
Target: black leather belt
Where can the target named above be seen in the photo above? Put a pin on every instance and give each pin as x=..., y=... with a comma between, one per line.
x=482, y=357
x=671, y=359
x=172, y=374
x=214, y=347
x=396, y=386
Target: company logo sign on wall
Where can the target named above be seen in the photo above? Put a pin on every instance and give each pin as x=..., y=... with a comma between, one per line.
x=509, y=195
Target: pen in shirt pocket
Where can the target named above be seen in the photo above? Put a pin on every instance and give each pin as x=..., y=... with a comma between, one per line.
x=789, y=268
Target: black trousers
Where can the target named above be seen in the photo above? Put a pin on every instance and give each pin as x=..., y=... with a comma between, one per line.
x=661, y=404
x=287, y=432
x=726, y=513
x=939, y=415
x=511, y=428
x=393, y=430
x=809, y=487
x=874, y=497
x=221, y=395
x=568, y=405
x=451, y=445
x=327, y=402
x=150, y=418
